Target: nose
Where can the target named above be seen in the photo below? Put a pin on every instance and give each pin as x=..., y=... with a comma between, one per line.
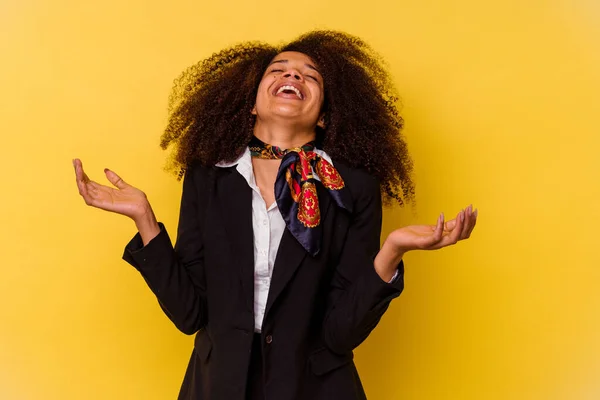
x=293, y=73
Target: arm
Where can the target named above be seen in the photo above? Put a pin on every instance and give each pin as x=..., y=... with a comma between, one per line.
x=358, y=295
x=176, y=274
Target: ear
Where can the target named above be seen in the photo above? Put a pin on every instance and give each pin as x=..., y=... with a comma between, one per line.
x=321, y=122
x=253, y=112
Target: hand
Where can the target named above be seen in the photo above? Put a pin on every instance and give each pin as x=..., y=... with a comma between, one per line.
x=125, y=199
x=423, y=237
x=432, y=237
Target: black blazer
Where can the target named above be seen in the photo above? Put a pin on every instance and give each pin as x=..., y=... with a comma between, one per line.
x=318, y=309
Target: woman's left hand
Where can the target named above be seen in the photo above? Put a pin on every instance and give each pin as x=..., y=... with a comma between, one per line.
x=423, y=237
x=433, y=237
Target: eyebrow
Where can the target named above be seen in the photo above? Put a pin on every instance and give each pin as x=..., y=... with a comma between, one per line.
x=307, y=65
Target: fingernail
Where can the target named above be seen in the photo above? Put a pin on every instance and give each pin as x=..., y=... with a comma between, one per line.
x=462, y=216
x=106, y=170
x=475, y=213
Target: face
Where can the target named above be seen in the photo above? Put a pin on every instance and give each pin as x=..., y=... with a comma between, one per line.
x=291, y=88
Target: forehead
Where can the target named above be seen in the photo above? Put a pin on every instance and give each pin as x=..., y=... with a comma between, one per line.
x=294, y=56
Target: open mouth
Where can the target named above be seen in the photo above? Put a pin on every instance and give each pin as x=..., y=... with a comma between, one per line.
x=290, y=90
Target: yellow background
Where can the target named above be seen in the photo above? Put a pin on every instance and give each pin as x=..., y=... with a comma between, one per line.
x=501, y=108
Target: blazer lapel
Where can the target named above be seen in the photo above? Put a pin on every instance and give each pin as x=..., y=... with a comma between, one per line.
x=291, y=253
x=236, y=205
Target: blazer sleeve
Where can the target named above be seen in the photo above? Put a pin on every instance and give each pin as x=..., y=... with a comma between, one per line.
x=176, y=274
x=358, y=297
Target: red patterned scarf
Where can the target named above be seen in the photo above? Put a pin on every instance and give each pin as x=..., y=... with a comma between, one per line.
x=296, y=191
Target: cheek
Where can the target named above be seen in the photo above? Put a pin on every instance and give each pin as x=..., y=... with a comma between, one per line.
x=263, y=87
x=321, y=97
x=260, y=94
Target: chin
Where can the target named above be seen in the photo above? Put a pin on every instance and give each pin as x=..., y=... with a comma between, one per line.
x=286, y=112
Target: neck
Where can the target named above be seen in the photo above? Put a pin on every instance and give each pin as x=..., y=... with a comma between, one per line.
x=283, y=136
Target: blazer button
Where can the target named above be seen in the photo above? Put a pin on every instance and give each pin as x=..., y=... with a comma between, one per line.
x=269, y=339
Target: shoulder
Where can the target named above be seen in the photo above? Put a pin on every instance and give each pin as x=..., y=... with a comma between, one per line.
x=363, y=187
x=201, y=179
x=196, y=172
x=200, y=173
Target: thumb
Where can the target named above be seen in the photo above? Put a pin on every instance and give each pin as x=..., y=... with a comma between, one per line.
x=450, y=224
x=115, y=179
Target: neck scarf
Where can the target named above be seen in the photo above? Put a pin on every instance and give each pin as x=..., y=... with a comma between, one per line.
x=296, y=191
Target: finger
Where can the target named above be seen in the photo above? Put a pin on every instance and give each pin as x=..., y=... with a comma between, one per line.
x=454, y=236
x=473, y=222
x=86, y=178
x=96, y=194
x=82, y=188
x=86, y=193
x=79, y=177
x=77, y=168
x=438, y=232
x=470, y=220
x=87, y=188
x=450, y=225
x=92, y=188
x=115, y=179
x=467, y=224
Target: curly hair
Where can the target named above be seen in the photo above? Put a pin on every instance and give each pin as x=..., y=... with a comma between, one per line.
x=210, y=118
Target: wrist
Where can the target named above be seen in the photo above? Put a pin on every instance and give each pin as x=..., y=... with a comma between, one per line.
x=392, y=254
x=144, y=216
x=147, y=225
x=387, y=260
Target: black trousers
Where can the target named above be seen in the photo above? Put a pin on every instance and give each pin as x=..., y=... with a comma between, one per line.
x=255, y=387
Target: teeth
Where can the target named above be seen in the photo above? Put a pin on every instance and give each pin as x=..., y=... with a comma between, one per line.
x=289, y=87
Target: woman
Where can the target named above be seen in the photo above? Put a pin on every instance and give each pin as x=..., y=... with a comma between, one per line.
x=277, y=268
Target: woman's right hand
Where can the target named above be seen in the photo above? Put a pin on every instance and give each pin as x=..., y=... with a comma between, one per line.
x=125, y=199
